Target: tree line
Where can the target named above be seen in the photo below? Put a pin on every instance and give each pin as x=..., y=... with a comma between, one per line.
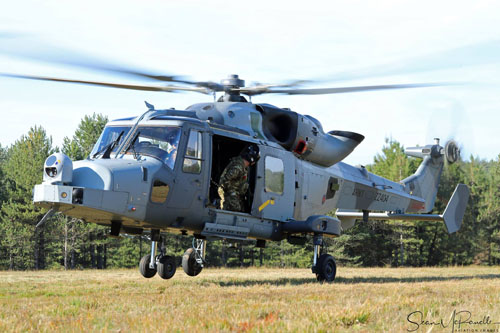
x=68, y=243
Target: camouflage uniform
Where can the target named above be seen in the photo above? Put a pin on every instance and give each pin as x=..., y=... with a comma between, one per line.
x=233, y=185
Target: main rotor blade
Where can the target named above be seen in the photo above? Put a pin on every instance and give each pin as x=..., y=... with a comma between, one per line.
x=109, y=84
x=17, y=45
x=468, y=55
x=13, y=45
x=339, y=90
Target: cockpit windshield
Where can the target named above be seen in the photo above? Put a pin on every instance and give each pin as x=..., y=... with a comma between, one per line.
x=108, y=137
x=159, y=142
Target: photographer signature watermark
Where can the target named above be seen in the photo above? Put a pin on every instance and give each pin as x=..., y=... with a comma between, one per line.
x=459, y=321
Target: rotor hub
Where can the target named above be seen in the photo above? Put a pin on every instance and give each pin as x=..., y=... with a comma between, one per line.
x=232, y=85
x=233, y=81
x=452, y=151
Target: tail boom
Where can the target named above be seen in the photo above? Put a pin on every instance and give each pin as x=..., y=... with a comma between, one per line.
x=452, y=216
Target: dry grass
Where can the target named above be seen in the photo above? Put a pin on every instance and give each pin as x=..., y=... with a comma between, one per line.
x=362, y=299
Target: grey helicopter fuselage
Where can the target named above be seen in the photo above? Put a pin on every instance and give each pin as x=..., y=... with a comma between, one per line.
x=158, y=172
x=297, y=181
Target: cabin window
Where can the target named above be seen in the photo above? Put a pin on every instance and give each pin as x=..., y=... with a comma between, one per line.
x=192, y=158
x=274, y=177
x=159, y=192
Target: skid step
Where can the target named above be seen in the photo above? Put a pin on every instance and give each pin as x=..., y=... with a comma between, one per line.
x=225, y=231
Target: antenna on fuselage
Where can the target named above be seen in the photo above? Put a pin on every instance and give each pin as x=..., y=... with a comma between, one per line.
x=151, y=107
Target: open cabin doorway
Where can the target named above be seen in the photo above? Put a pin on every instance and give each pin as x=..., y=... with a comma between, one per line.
x=223, y=149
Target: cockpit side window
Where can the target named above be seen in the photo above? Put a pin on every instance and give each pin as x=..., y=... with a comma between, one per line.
x=192, y=158
x=160, y=142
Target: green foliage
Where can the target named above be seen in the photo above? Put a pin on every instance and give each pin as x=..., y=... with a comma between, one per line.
x=393, y=163
x=381, y=243
x=85, y=137
x=489, y=213
x=23, y=169
x=3, y=180
x=123, y=252
x=86, y=245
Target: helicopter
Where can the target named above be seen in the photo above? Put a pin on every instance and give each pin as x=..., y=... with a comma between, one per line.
x=158, y=173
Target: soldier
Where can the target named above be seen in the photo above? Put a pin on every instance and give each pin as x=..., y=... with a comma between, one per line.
x=234, y=179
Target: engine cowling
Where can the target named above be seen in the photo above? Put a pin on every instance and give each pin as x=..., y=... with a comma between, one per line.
x=304, y=136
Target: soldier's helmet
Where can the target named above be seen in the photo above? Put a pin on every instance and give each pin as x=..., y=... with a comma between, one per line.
x=251, y=153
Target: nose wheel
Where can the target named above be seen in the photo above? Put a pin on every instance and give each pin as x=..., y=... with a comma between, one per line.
x=166, y=267
x=324, y=266
x=193, y=259
x=144, y=268
x=152, y=263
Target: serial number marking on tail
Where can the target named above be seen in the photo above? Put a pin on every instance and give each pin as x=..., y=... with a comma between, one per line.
x=377, y=196
x=382, y=197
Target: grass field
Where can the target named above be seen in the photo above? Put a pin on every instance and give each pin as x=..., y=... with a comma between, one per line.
x=239, y=300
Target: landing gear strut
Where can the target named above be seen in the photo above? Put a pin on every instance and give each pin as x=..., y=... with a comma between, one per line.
x=150, y=264
x=194, y=257
x=324, y=265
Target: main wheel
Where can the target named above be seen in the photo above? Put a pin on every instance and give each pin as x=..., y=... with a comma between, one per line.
x=166, y=267
x=326, y=268
x=189, y=263
x=144, y=268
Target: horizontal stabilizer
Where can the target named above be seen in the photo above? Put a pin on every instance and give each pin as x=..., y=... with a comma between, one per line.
x=452, y=216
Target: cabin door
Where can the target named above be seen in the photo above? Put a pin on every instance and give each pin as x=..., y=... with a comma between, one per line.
x=275, y=184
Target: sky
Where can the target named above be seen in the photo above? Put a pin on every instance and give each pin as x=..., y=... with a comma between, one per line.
x=335, y=43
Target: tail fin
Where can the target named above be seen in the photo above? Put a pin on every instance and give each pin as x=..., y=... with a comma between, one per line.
x=424, y=182
x=455, y=210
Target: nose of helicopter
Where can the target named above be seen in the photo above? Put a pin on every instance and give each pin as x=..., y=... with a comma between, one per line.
x=102, y=190
x=124, y=185
x=114, y=174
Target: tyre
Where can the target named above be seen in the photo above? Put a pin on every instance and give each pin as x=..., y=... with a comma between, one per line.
x=189, y=264
x=144, y=268
x=326, y=268
x=166, y=267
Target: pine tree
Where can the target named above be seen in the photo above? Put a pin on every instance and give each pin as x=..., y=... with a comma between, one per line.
x=393, y=163
x=391, y=242
x=465, y=244
x=3, y=158
x=84, y=244
x=3, y=198
x=22, y=169
x=86, y=135
x=489, y=215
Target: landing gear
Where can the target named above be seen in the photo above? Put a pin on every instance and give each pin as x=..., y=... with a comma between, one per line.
x=161, y=263
x=324, y=265
x=144, y=268
x=166, y=267
x=194, y=258
x=326, y=268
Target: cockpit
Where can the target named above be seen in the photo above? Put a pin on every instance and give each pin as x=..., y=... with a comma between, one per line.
x=160, y=142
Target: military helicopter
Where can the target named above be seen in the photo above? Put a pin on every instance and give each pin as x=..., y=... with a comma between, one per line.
x=158, y=173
